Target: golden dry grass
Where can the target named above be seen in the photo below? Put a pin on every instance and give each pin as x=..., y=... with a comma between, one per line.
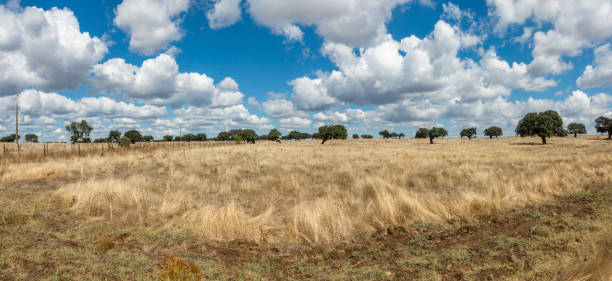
x=304, y=192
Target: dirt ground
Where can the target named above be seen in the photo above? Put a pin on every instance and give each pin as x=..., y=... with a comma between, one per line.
x=41, y=240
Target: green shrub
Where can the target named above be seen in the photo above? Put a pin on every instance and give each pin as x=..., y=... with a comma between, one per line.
x=124, y=142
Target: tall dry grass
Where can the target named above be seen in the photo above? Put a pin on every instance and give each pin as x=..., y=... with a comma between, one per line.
x=322, y=194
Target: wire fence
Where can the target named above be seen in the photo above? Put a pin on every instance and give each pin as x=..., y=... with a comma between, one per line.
x=38, y=152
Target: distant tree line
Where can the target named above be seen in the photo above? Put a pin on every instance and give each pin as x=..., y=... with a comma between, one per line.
x=542, y=124
x=387, y=135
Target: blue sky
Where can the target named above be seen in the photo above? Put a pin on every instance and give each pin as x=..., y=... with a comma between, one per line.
x=207, y=66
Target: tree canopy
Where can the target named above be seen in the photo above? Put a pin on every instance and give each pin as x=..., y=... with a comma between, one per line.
x=31, y=138
x=576, y=129
x=604, y=124
x=544, y=124
x=147, y=138
x=468, y=132
x=367, y=137
x=133, y=135
x=114, y=136
x=355, y=136
x=421, y=133
x=336, y=132
x=385, y=134
x=9, y=138
x=493, y=131
x=436, y=132
x=274, y=134
x=78, y=130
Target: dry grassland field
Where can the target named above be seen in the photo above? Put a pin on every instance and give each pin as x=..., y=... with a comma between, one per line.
x=480, y=209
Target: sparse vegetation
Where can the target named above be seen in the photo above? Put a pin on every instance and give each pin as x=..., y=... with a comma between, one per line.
x=303, y=211
x=79, y=131
x=493, y=131
x=604, y=125
x=544, y=125
x=468, y=132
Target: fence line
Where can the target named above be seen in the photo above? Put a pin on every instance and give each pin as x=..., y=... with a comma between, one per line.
x=38, y=152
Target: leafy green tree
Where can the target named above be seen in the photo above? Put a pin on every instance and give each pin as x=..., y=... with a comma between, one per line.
x=9, y=138
x=401, y=135
x=124, y=142
x=544, y=125
x=355, y=136
x=114, y=136
x=295, y=135
x=493, y=131
x=436, y=132
x=189, y=137
x=224, y=136
x=604, y=124
x=248, y=135
x=102, y=140
x=31, y=138
x=385, y=134
x=576, y=129
x=201, y=137
x=133, y=135
x=394, y=135
x=337, y=132
x=316, y=136
x=422, y=133
x=86, y=140
x=178, y=138
x=168, y=138
x=78, y=130
x=468, y=132
x=367, y=137
x=274, y=134
x=147, y=138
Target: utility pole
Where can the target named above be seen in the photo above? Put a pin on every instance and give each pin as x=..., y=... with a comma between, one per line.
x=17, y=120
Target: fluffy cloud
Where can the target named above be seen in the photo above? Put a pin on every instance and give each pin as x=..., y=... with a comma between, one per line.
x=236, y=116
x=350, y=22
x=294, y=123
x=350, y=116
x=44, y=49
x=151, y=24
x=224, y=13
x=576, y=25
x=159, y=82
x=35, y=103
x=601, y=73
x=578, y=107
x=42, y=112
x=411, y=71
x=279, y=108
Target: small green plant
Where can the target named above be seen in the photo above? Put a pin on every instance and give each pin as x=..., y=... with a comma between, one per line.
x=238, y=139
x=176, y=269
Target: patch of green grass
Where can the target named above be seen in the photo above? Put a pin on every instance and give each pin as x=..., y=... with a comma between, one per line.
x=457, y=254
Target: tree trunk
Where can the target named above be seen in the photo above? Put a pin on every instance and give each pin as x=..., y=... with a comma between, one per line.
x=610, y=135
x=575, y=135
x=431, y=140
x=324, y=140
x=490, y=137
x=543, y=140
x=469, y=137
